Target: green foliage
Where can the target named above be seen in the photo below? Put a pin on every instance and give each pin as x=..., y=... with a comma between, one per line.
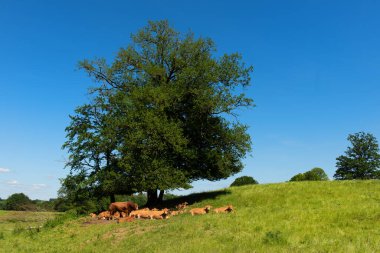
x=2, y=204
x=140, y=199
x=159, y=118
x=298, y=177
x=316, y=174
x=60, y=219
x=362, y=159
x=244, y=180
x=23, y=203
x=19, y=202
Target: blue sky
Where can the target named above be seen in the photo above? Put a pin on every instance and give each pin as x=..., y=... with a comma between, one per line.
x=316, y=77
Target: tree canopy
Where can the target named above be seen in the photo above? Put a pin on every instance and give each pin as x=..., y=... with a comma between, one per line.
x=361, y=160
x=244, y=180
x=315, y=174
x=162, y=115
x=18, y=202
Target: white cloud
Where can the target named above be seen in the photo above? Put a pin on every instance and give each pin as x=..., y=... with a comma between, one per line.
x=12, y=182
x=38, y=186
x=4, y=170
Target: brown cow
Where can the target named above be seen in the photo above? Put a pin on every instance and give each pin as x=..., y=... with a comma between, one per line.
x=126, y=219
x=224, y=209
x=160, y=214
x=93, y=215
x=174, y=213
x=116, y=215
x=126, y=207
x=104, y=215
x=202, y=210
x=150, y=214
x=182, y=206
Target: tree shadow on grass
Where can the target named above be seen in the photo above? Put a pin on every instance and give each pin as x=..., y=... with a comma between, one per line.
x=193, y=198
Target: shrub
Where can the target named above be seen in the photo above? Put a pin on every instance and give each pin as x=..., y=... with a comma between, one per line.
x=19, y=202
x=316, y=174
x=244, y=180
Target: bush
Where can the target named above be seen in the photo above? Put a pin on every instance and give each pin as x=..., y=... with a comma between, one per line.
x=244, y=180
x=316, y=174
x=19, y=202
x=2, y=204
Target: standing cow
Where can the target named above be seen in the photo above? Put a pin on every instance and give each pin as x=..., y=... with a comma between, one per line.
x=126, y=207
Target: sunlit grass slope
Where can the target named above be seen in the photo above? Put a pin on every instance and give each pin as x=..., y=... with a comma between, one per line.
x=286, y=217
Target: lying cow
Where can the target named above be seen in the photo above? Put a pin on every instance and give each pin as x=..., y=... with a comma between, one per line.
x=106, y=215
x=160, y=214
x=150, y=214
x=116, y=215
x=198, y=211
x=126, y=219
x=126, y=207
x=93, y=215
x=139, y=213
x=182, y=206
x=224, y=209
x=174, y=213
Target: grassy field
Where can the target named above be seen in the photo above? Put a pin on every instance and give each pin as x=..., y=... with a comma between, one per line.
x=286, y=217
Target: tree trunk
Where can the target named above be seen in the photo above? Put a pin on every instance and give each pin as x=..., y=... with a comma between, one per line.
x=152, y=197
x=161, y=196
x=112, y=198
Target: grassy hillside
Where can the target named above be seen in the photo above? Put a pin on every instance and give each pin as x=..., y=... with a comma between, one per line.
x=286, y=217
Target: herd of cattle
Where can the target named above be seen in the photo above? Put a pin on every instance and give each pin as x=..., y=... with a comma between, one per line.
x=128, y=211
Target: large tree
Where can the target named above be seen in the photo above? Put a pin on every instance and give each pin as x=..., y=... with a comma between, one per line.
x=162, y=116
x=362, y=159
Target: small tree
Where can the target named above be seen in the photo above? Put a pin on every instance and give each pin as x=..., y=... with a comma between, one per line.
x=19, y=202
x=315, y=174
x=362, y=160
x=244, y=180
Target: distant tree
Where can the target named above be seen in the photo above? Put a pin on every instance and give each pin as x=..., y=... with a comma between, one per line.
x=361, y=160
x=2, y=204
x=19, y=202
x=298, y=177
x=315, y=174
x=244, y=180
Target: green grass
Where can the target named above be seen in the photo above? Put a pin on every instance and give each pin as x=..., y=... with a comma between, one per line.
x=286, y=217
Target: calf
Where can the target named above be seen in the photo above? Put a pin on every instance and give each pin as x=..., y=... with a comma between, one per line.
x=93, y=215
x=224, y=209
x=199, y=211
